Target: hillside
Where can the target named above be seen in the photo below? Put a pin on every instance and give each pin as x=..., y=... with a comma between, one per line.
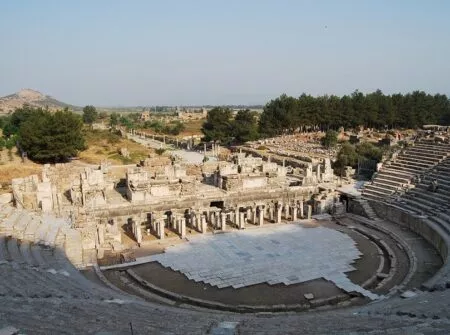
x=33, y=98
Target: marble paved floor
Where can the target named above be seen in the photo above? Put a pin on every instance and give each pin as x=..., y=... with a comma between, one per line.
x=287, y=254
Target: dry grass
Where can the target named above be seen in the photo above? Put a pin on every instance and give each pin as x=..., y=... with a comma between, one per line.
x=11, y=166
x=193, y=127
x=104, y=145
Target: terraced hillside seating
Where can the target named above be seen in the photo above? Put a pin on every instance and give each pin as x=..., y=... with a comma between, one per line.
x=399, y=175
x=44, y=230
x=41, y=292
x=433, y=204
x=428, y=212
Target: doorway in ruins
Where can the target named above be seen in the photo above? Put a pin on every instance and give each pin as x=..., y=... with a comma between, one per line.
x=218, y=204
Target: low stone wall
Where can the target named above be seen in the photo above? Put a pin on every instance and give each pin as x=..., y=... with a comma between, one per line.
x=434, y=234
x=356, y=208
x=315, y=303
x=294, y=162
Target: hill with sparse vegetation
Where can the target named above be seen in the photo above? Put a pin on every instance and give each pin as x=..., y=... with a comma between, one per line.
x=34, y=99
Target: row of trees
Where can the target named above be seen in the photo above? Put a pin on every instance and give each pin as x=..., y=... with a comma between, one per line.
x=287, y=114
x=375, y=110
x=220, y=126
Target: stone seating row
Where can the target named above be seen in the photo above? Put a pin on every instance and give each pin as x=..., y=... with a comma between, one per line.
x=433, y=208
x=420, y=159
x=33, y=250
x=41, y=229
x=42, y=293
x=30, y=270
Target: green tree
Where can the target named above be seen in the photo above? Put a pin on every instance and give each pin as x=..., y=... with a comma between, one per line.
x=176, y=128
x=369, y=151
x=90, y=114
x=20, y=115
x=113, y=120
x=51, y=137
x=10, y=142
x=125, y=121
x=347, y=156
x=218, y=125
x=245, y=126
x=330, y=139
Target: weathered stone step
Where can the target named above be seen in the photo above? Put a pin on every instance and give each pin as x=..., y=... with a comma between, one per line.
x=436, y=198
x=26, y=253
x=438, y=154
x=36, y=253
x=41, y=233
x=441, y=189
x=391, y=180
x=388, y=186
x=378, y=189
x=420, y=157
x=391, y=171
x=21, y=224
x=441, y=222
x=441, y=181
x=3, y=249
x=30, y=231
x=7, y=226
x=406, y=168
x=426, y=202
x=6, y=211
x=419, y=205
x=13, y=251
x=414, y=162
x=371, y=196
x=424, y=155
x=404, y=205
x=445, y=217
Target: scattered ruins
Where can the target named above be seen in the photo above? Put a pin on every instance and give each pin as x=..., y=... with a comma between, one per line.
x=157, y=199
x=75, y=214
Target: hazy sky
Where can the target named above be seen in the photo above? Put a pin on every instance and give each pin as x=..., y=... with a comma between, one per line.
x=221, y=52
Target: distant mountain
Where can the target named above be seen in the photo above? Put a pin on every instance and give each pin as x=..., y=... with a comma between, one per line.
x=33, y=98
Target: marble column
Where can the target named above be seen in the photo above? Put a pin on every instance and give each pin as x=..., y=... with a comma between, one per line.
x=260, y=216
x=101, y=234
x=301, y=210
x=204, y=223
x=242, y=221
x=265, y=210
x=309, y=212
x=224, y=221
x=271, y=213
x=174, y=222
x=190, y=220
x=161, y=229
x=236, y=217
x=249, y=214
x=294, y=212
x=279, y=209
x=183, y=227
x=286, y=211
x=217, y=220
x=138, y=234
x=254, y=216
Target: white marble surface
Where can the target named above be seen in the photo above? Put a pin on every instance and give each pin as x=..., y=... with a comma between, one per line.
x=284, y=254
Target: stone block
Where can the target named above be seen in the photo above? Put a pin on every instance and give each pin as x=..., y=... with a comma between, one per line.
x=6, y=198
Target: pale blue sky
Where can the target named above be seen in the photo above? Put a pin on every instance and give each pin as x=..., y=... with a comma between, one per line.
x=221, y=52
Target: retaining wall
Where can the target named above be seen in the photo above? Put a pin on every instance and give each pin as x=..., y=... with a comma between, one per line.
x=431, y=232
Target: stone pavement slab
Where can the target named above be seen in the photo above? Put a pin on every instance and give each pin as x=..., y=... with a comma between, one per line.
x=287, y=254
